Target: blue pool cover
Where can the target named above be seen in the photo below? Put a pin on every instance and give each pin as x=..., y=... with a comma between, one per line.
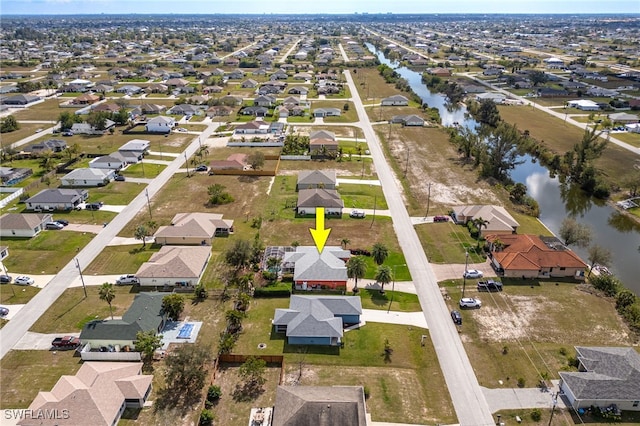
x=185, y=331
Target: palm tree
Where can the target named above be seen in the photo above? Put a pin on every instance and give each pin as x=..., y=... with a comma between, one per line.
x=107, y=293
x=380, y=253
x=344, y=243
x=383, y=276
x=356, y=268
x=273, y=263
x=480, y=223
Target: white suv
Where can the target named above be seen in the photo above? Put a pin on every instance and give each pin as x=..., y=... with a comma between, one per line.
x=128, y=279
x=469, y=302
x=357, y=213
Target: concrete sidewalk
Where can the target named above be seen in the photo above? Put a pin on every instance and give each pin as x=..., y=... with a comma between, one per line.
x=516, y=398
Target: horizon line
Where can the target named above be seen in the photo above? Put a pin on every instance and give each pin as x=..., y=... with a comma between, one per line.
x=323, y=13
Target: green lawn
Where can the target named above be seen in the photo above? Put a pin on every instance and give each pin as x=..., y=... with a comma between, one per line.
x=121, y=259
x=446, y=242
x=403, y=302
x=72, y=310
x=143, y=170
x=116, y=193
x=46, y=253
x=16, y=294
x=25, y=373
x=362, y=196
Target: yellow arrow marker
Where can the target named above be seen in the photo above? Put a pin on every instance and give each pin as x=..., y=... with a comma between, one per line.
x=320, y=235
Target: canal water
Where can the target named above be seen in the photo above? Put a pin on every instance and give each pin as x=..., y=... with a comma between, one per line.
x=610, y=228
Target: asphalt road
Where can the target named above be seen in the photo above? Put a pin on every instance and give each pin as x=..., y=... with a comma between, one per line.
x=12, y=332
x=466, y=394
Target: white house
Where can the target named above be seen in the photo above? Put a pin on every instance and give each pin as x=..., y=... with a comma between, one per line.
x=395, y=100
x=584, y=105
x=23, y=225
x=88, y=177
x=107, y=162
x=136, y=145
x=57, y=199
x=496, y=97
x=161, y=124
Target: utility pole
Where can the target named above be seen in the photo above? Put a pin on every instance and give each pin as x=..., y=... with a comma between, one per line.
x=406, y=163
x=146, y=192
x=374, y=211
x=428, y=199
x=554, y=399
x=393, y=288
x=464, y=276
x=186, y=162
x=84, y=287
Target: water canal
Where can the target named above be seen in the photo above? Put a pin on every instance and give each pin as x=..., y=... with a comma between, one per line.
x=610, y=228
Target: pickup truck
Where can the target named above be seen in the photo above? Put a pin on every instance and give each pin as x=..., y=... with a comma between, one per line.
x=66, y=342
x=489, y=285
x=127, y=279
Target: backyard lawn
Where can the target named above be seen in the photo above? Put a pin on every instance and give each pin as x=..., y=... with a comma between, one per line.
x=121, y=259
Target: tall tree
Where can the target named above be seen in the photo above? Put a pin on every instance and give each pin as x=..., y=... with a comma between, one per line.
x=173, y=305
x=186, y=373
x=107, y=293
x=252, y=373
x=383, y=276
x=488, y=113
x=356, y=268
x=588, y=149
x=598, y=255
x=147, y=342
x=141, y=233
x=239, y=254
x=501, y=152
x=256, y=160
x=480, y=223
x=8, y=124
x=380, y=253
x=574, y=233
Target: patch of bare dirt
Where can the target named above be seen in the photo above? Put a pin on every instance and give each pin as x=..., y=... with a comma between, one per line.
x=497, y=324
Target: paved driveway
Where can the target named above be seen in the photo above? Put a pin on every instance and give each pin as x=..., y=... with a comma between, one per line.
x=516, y=399
x=39, y=341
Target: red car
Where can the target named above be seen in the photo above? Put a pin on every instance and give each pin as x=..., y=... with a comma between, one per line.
x=441, y=218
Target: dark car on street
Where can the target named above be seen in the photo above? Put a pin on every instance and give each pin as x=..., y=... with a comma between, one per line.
x=489, y=285
x=5, y=279
x=93, y=206
x=441, y=218
x=456, y=317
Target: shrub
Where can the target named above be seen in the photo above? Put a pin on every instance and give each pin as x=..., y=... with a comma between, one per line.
x=521, y=382
x=273, y=291
x=536, y=415
x=206, y=417
x=367, y=392
x=563, y=351
x=214, y=393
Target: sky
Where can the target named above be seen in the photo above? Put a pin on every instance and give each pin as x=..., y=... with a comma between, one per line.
x=70, y=7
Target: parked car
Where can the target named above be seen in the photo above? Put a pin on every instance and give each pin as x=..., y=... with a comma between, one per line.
x=470, y=302
x=66, y=342
x=93, y=206
x=23, y=280
x=67, y=133
x=43, y=209
x=357, y=213
x=472, y=273
x=441, y=218
x=5, y=279
x=456, y=317
x=62, y=222
x=202, y=168
x=53, y=225
x=489, y=285
x=127, y=279
x=182, y=129
x=119, y=178
x=4, y=311
x=38, y=130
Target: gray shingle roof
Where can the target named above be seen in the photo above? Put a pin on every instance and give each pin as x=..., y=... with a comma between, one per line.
x=319, y=405
x=311, y=265
x=319, y=197
x=612, y=373
x=317, y=177
x=23, y=221
x=57, y=196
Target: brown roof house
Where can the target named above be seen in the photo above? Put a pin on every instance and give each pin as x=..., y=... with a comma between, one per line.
x=194, y=229
x=23, y=224
x=528, y=256
x=322, y=139
x=97, y=395
x=174, y=266
x=499, y=220
x=310, y=199
x=319, y=405
x=233, y=162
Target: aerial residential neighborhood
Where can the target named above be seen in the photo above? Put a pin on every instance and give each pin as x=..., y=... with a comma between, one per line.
x=340, y=219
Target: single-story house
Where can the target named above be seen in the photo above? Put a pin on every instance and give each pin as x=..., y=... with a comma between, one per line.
x=257, y=111
x=312, y=270
x=108, y=162
x=319, y=405
x=152, y=109
x=528, y=256
x=129, y=89
x=253, y=127
x=395, y=100
x=327, y=112
x=88, y=129
x=310, y=199
x=233, y=162
x=57, y=199
x=632, y=127
x=584, y=105
x=111, y=107
x=23, y=224
x=554, y=63
x=265, y=101
x=219, y=111
x=498, y=218
x=135, y=145
x=194, y=229
x=310, y=179
x=49, y=145
x=496, y=97
x=160, y=124
x=624, y=118
x=12, y=175
x=317, y=320
x=88, y=177
x=184, y=109
x=318, y=145
x=298, y=90
x=96, y=395
x=605, y=376
x=21, y=100
x=408, y=120
x=249, y=84
x=174, y=266
x=439, y=71
x=322, y=134
x=85, y=99
x=144, y=314
x=176, y=82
